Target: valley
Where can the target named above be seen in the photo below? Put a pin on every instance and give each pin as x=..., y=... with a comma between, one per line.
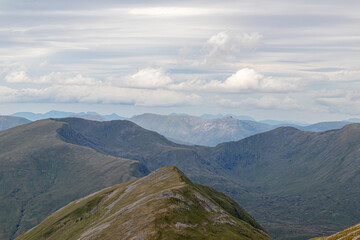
x=297, y=184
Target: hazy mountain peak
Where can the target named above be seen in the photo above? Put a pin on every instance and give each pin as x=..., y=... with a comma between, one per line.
x=195, y=130
x=7, y=122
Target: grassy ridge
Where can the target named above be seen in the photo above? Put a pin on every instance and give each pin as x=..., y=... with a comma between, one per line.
x=352, y=233
x=163, y=205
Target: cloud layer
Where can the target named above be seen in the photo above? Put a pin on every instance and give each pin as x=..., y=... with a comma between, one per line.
x=229, y=56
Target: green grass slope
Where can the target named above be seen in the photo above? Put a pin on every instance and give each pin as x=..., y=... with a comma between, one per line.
x=308, y=182
x=39, y=173
x=163, y=205
x=352, y=233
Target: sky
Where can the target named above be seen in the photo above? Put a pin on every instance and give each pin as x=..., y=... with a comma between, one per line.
x=284, y=60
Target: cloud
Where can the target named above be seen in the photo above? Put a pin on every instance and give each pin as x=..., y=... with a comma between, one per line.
x=7, y=94
x=339, y=101
x=52, y=78
x=144, y=88
x=172, y=11
x=106, y=94
x=265, y=102
x=60, y=78
x=149, y=78
x=244, y=80
x=344, y=75
x=224, y=46
x=17, y=77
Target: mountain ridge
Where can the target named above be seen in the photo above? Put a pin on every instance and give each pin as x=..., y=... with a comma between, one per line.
x=254, y=169
x=319, y=169
x=163, y=205
x=60, y=114
x=39, y=173
x=351, y=233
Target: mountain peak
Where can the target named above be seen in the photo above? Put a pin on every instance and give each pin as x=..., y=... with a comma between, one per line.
x=162, y=205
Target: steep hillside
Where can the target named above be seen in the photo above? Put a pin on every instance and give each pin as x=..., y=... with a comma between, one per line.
x=297, y=184
x=162, y=205
x=195, y=130
x=40, y=173
x=308, y=181
x=352, y=233
x=7, y=122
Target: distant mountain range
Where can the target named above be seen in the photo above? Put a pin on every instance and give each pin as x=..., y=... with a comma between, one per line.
x=188, y=129
x=284, y=123
x=323, y=126
x=195, y=130
x=59, y=114
x=163, y=205
x=208, y=130
x=353, y=120
x=7, y=122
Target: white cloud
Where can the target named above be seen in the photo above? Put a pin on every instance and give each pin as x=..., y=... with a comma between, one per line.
x=223, y=46
x=249, y=40
x=265, y=102
x=340, y=100
x=172, y=11
x=63, y=79
x=344, y=75
x=244, y=80
x=106, y=94
x=7, y=94
x=17, y=77
x=52, y=78
x=150, y=78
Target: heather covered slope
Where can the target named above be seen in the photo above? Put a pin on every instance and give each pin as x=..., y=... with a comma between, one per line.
x=195, y=130
x=7, y=122
x=296, y=184
x=351, y=233
x=162, y=205
x=40, y=173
